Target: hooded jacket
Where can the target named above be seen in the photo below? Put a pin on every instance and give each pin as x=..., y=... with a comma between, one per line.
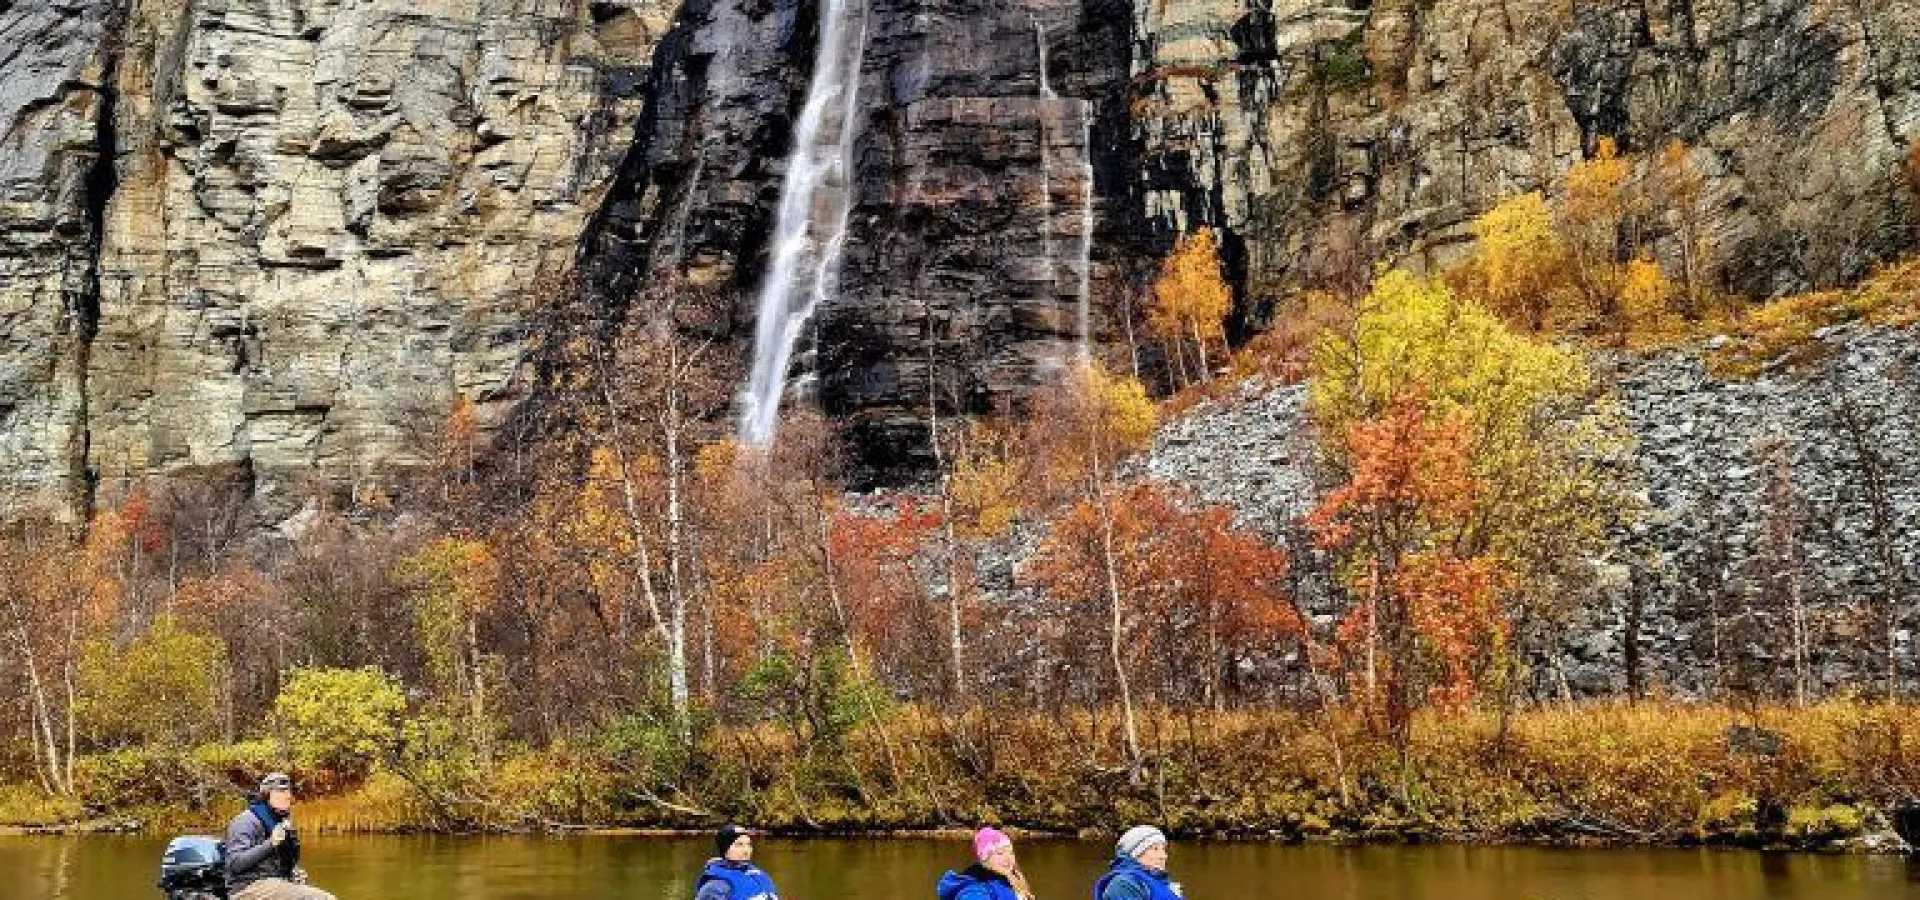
x=975, y=882
x=1127, y=879
x=730, y=880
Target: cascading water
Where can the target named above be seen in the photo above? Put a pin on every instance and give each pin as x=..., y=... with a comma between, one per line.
x=1046, y=156
x=810, y=229
x=1082, y=266
x=1040, y=41
x=1086, y=230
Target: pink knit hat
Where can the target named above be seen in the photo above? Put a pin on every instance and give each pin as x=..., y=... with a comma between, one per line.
x=987, y=840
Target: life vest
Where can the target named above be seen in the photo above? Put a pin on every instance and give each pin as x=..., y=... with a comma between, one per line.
x=953, y=885
x=744, y=881
x=1157, y=883
x=289, y=849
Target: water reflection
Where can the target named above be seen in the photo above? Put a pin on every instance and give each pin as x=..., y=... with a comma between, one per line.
x=440, y=868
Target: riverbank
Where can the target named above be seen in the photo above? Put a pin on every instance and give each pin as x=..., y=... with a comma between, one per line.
x=1824, y=777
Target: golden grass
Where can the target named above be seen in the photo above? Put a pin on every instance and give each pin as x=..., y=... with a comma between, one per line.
x=1658, y=771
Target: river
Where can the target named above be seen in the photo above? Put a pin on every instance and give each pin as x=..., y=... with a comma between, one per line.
x=643, y=868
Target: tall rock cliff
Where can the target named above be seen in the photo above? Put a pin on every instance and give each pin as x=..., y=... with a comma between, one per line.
x=272, y=237
x=1299, y=125
x=1316, y=136
x=983, y=199
x=276, y=237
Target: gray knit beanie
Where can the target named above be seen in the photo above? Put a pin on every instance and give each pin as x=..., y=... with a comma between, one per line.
x=1138, y=839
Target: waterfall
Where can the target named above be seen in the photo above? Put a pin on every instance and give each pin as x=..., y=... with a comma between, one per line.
x=1083, y=270
x=1040, y=40
x=810, y=229
x=1046, y=157
x=1086, y=229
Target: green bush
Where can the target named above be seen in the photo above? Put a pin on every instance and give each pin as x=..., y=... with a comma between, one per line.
x=118, y=687
x=341, y=720
x=23, y=805
x=131, y=779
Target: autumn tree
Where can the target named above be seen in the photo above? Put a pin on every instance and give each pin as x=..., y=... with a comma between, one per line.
x=247, y=614
x=342, y=720
x=1643, y=297
x=455, y=583
x=44, y=611
x=1585, y=261
x=886, y=602
x=1596, y=205
x=1191, y=301
x=1677, y=191
x=1518, y=261
x=1538, y=445
x=1079, y=431
x=655, y=400
x=118, y=684
x=1410, y=490
x=1201, y=593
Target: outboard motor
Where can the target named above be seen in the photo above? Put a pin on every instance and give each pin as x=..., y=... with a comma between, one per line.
x=193, y=869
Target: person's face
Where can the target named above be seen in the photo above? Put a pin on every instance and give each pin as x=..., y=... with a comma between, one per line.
x=281, y=799
x=1154, y=857
x=1001, y=859
x=741, y=849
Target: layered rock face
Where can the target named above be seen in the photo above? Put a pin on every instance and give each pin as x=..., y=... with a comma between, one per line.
x=278, y=236
x=975, y=208
x=1317, y=136
x=52, y=109
x=1303, y=126
x=313, y=224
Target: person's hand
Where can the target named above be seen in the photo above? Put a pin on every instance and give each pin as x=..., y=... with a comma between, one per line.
x=279, y=835
x=299, y=876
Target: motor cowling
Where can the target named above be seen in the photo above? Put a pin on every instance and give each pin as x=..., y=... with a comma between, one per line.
x=192, y=868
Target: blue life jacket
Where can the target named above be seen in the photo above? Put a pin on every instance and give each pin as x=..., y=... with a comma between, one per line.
x=976, y=882
x=289, y=849
x=744, y=880
x=1158, y=885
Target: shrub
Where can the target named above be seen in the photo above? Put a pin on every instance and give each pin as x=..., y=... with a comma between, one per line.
x=342, y=720
x=26, y=805
x=118, y=688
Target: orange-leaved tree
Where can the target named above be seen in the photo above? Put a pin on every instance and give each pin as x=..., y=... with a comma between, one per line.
x=1078, y=433
x=1468, y=451
x=1410, y=488
x=1201, y=593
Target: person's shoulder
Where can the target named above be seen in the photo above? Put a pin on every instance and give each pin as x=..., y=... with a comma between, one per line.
x=975, y=889
x=244, y=819
x=1126, y=885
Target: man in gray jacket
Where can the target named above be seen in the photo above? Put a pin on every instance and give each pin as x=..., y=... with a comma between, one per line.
x=263, y=852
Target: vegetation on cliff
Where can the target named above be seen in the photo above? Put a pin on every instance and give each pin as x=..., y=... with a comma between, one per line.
x=645, y=622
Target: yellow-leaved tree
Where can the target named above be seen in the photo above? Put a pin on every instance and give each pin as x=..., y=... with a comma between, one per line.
x=1517, y=266
x=1191, y=301
x=454, y=581
x=1677, y=191
x=1645, y=295
x=1536, y=438
x=1596, y=205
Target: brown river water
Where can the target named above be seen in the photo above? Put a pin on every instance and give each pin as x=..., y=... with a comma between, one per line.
x=644, y=868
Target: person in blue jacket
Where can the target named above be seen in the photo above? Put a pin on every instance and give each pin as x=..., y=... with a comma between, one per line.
x=994, y=875
x=1139, y=869
x=732, y=875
